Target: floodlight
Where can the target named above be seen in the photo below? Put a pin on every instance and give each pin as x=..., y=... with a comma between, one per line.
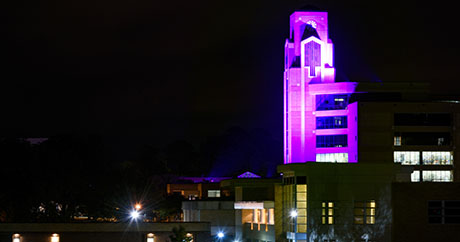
x=134, y=214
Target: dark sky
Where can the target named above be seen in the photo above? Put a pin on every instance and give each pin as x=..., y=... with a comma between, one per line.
x=164, y=70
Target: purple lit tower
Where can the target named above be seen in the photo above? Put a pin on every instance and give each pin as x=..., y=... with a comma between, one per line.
x=320, y=122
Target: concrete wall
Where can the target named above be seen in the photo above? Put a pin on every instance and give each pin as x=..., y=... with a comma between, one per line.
x=410, y=212
x=100, y=232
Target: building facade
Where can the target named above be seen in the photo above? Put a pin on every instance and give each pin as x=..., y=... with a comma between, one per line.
x=363, y=161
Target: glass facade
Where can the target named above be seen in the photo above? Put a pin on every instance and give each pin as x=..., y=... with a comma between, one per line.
x=407, y=157
x=428, y=157
x=423, y=138
x=331, y=102
x=326, y=141
x=332, y=157
x=437, y=176
x=338, y=122
x=437, y=157
x=301, y=205
x=433, y=176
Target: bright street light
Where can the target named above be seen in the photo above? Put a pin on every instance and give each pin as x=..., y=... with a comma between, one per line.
x=137, y=206
x=220, y=235
x=134, y=214
x=293, y=214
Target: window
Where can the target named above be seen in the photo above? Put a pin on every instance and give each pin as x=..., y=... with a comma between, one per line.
x=331, y=102
x=55, y=238
x=407, y=157
x=444, y=212
x=301, y=207
x=437, y=176
x=327, y=212
x=424, y=138
x=150, y=237
x=397, y=141
x=339, y=122
x=364, y=212
x=326, y=141
x=16, y=238
x=415, y=176
x=332, y=157
x=432, y=176
x=213, y=193
x=312, y=57
x=437, y=157
x=422, y=119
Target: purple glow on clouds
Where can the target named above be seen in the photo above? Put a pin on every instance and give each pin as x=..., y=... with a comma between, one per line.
x=305, y=88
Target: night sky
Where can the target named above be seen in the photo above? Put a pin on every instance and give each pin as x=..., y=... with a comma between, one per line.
x=157, y=71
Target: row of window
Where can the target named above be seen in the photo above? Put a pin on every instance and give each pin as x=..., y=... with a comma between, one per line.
x=432, y=176
x=328, y=141
x=422, y=138
x=332, y=157
x=363, y=212
x=444, y=212
x=422, y=119
x=428, y=157
x=335, y=122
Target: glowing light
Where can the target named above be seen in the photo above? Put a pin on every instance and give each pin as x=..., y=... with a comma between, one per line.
x=293, y=214
x=312, y=23
x=220, y=235
x=309, y=78
x=16, y=238
x=150, y=237
x=137, y=206
x=134, y=214
x=55, y=238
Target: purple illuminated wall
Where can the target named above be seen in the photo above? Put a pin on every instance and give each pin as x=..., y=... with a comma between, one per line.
x=309, y=86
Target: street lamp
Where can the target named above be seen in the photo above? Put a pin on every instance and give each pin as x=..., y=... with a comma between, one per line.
x=134, y=214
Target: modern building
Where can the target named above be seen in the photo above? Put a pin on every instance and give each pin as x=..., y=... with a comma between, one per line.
x=363, y=161
x=326, y=120
x=245, y=211
x=193, y=188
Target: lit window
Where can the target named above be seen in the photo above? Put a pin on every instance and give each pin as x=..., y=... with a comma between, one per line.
x=437, y=176
x=407, y=157
x=397, y=141
x=150, y=237
x=415, y=176
x=16, y=238
x=55, y=238
x=327, y=212
x=213, y=193
x=437, y=157
x=301, y=205
x=364, y=212
x=444, y=212
x=332, y=157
